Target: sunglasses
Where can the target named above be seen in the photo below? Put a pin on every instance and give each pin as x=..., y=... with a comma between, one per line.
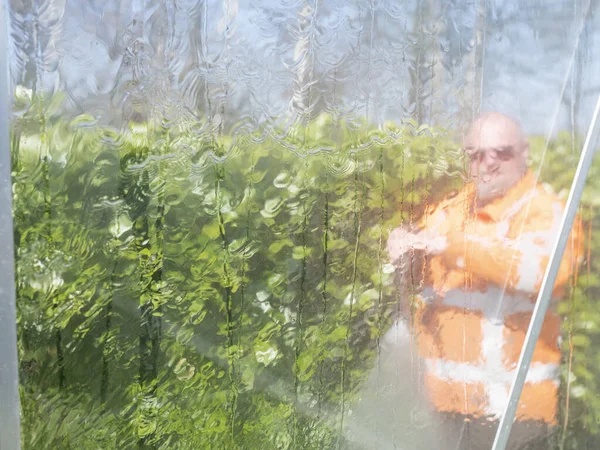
x=504, y=153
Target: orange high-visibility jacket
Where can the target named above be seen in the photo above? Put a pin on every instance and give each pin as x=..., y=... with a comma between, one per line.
x=472, y=317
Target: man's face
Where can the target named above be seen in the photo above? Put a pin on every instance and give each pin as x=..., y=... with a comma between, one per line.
x=497, y=153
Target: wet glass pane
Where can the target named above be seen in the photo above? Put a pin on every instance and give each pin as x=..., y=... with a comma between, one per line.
x=305, y=225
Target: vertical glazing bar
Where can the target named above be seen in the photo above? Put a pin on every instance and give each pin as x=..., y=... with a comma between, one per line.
x=541, y=304
x=10, y=437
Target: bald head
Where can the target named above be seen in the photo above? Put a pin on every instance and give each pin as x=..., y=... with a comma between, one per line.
x=498, y=151
x=493, y=129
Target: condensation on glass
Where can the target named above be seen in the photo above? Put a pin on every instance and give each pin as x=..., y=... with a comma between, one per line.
x=272, y=224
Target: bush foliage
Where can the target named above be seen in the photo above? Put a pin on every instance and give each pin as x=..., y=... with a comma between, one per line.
x=181, y=289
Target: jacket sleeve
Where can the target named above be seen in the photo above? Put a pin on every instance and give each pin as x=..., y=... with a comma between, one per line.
x=518, y=264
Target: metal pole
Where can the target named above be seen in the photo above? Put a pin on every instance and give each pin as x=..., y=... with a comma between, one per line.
x=10, y=436
x=543, y=299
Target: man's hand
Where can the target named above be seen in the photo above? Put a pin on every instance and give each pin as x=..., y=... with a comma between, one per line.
x=401, y=241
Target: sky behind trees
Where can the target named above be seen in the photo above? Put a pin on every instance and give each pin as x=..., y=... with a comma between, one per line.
x=274, y=62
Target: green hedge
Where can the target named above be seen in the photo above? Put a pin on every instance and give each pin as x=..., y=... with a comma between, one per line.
x=180, y=289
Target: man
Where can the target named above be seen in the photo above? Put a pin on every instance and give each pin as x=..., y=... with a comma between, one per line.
x=486, y=250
